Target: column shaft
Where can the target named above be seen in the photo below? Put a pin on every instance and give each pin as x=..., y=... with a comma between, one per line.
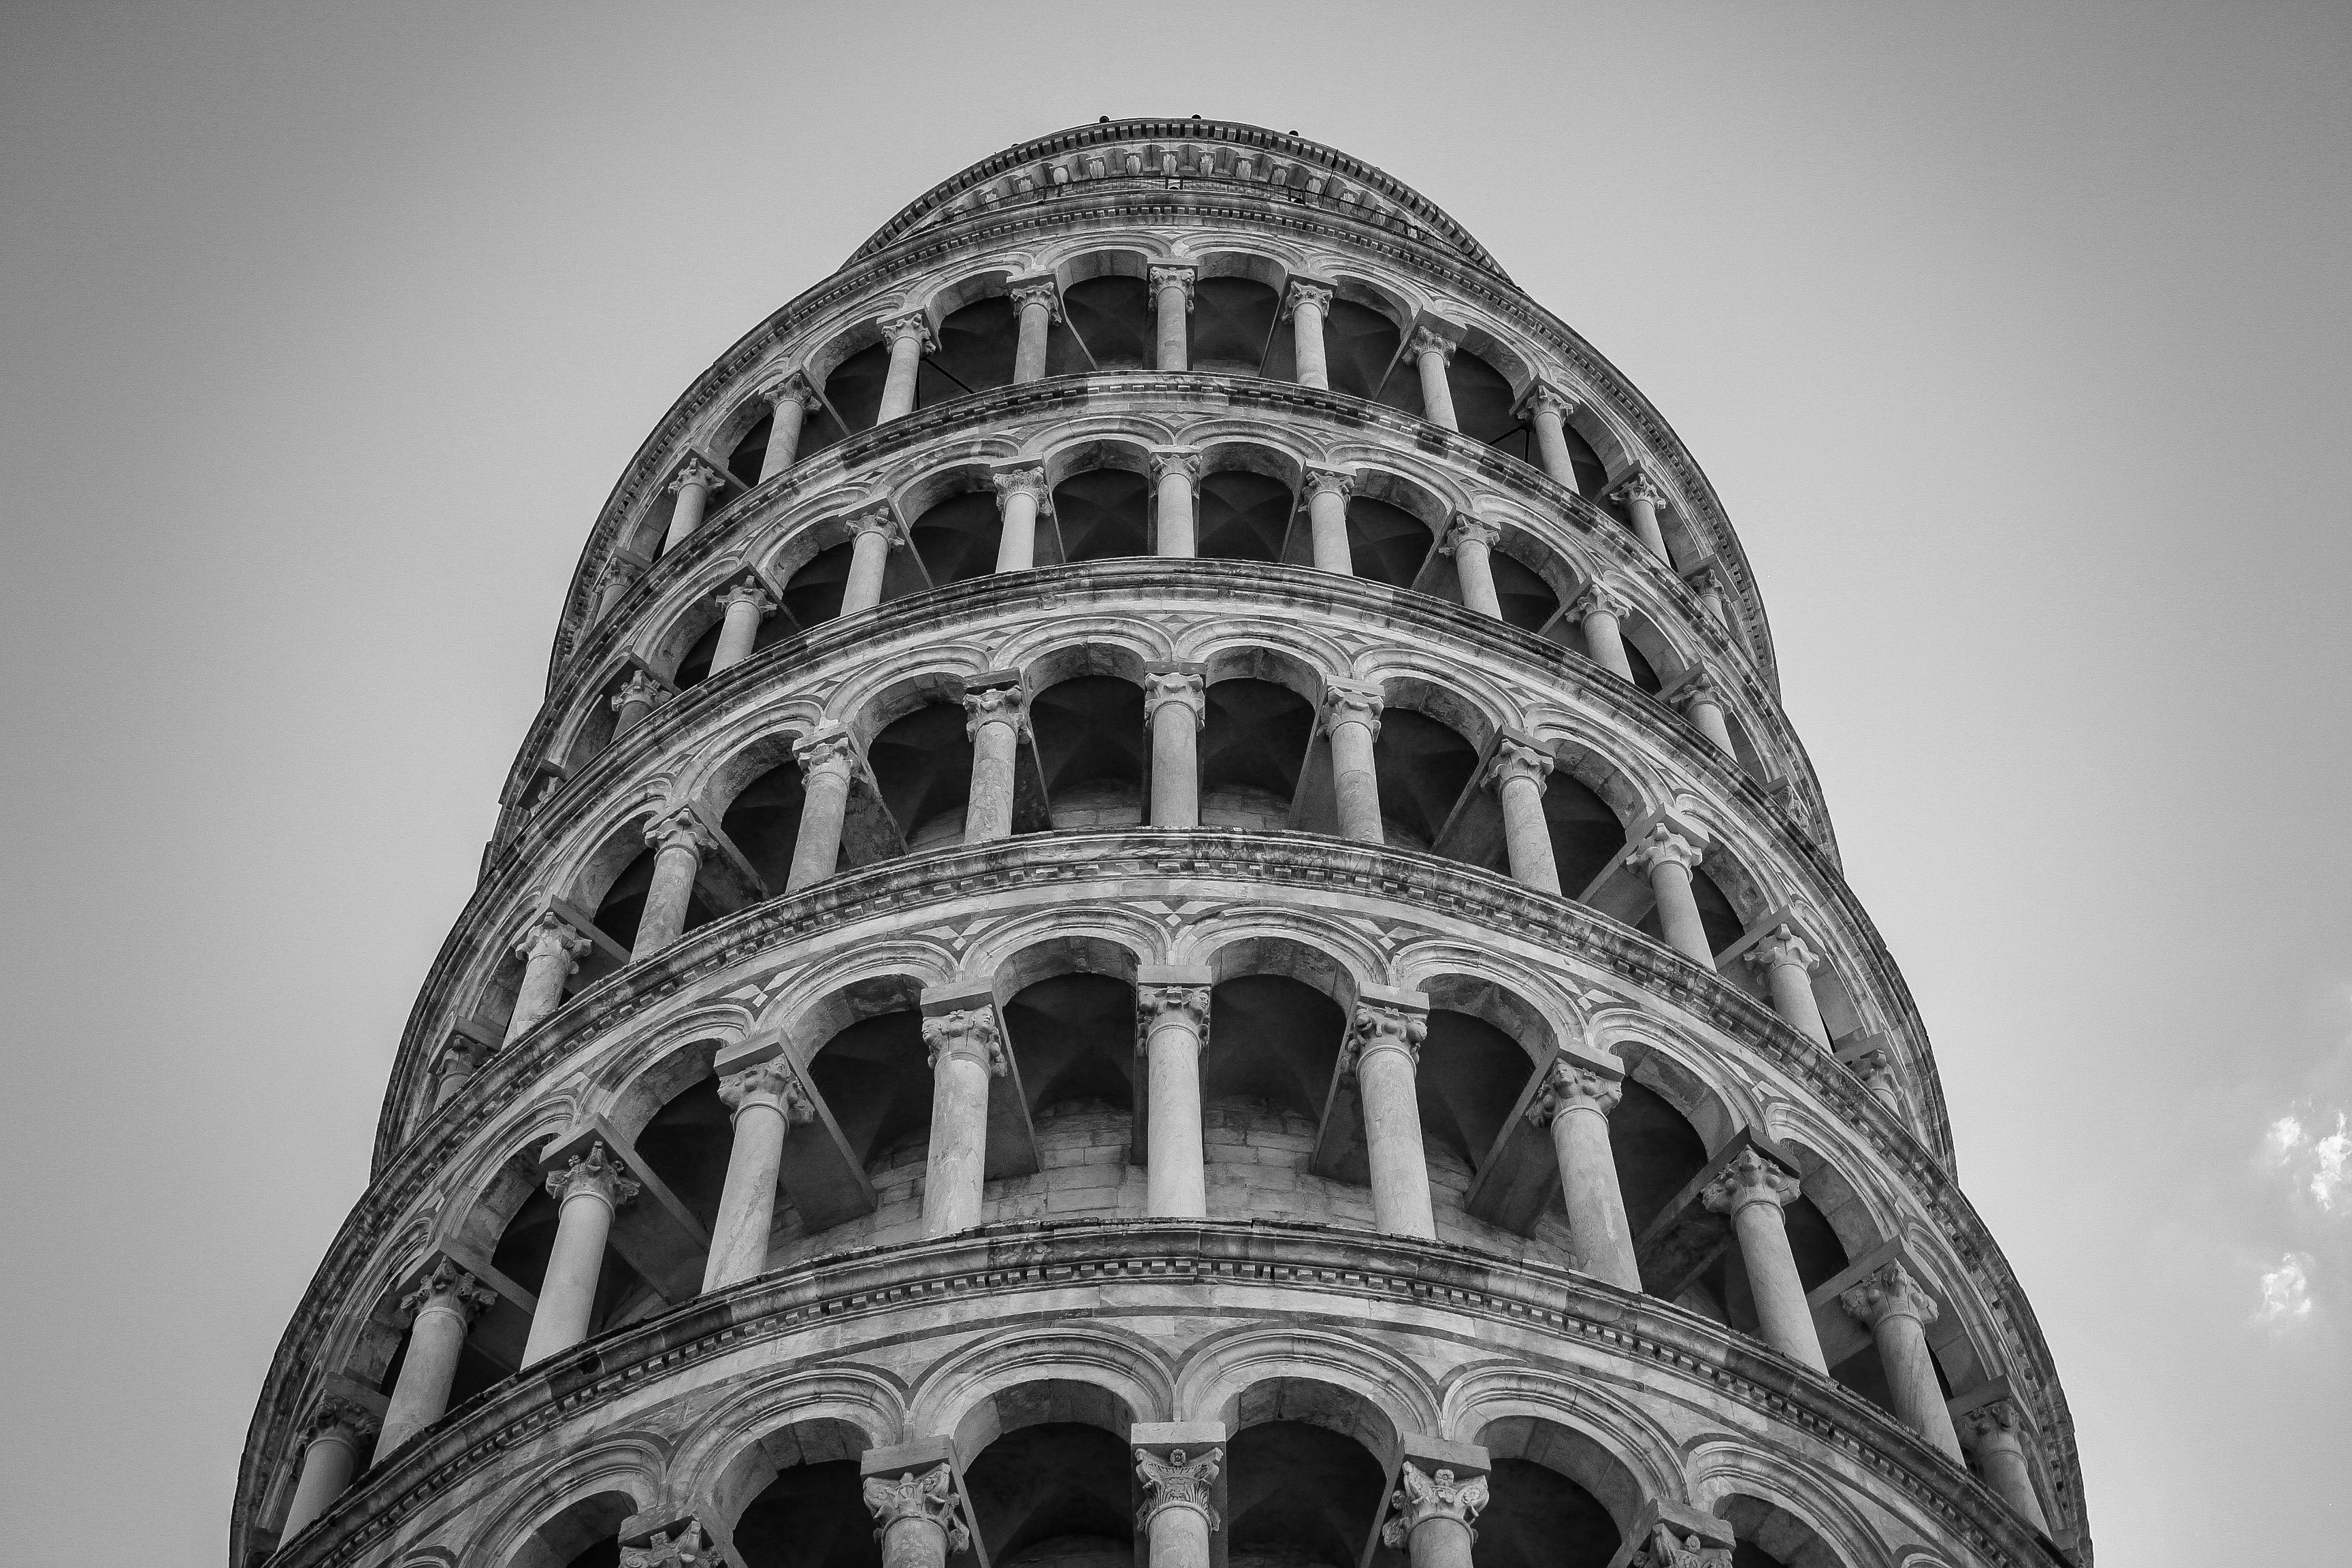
x=1176, y=1181
x=995, y=755
x=1678, y=917
x=427, y=1371
x=1307, y=304
x=914, y=1544
x=675, y=865
x=1016, y=543
x=1172, y=293
x=2001, y=1456
x=1476, y=571
x=1707, y=715
x=1436, y=394
x=1176, y=763
x=965, y=1053
x=1029, y=353
x=1178, y=536
x=1645, y=512
x=1605, y=644
x=567, y=1296
x=1551, y=441
x=827, y=771
x=1781, y=1313
x=1401, y=1202
x=1596, y=1206
x=1178, y=1537
x=783, y=448
x=1787, y=962
x=693, y=491
x=906, y=343
x=1354, y=779
x=328, y=1465
x=747, y=1202
x=867, y=559
x=1327, y=522
x=1911, y=1379
x=1527, y=835
x=738, y=631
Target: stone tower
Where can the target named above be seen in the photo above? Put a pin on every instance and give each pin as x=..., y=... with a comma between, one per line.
x=1161, y=912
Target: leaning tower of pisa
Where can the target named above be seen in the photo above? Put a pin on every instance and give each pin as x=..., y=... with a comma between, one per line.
x=1160, y=913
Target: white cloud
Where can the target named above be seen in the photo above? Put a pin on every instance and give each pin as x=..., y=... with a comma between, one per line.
x=2286, y=1294
x=2285, y=1136
x=2329, y=1178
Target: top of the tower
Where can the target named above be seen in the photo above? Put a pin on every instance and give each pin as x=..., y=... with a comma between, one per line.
x=1172, y=151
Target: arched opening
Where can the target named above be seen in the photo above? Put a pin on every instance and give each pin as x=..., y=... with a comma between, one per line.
x=1091, y=751
x=1471, y=1075
x=813, y=595
x=686, y=1145
x=1586, y=835
x=854, y=389
x=694, y=665
x=805, y=1500
x=1073, y=1037
x=1253, y=747
x=529, y=1238
x=1716, y=915
x=1657, y=1151
x=763, y=821
x=1102, y=514
x=1243, y=516
x=751, y=449
x=1058, y=1493
x=1422, y=765
x=1537, y=1518
x=1527, y=601
x=1233, y=324
x=1518, y=440
x=622, y=906
x=1482, y=395
x=957, y=538
x=1359, y=343
x=1765, y=1535
x=1112, y=317
x=976, y=346
x=1307, y=1478
x=1386, y=543
x=1274, y=1041
x=876, y=1076
x=922, y=767
x=585, y=1535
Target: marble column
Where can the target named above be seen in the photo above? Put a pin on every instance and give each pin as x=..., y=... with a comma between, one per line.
x=1575, y=1103
x=1175, y=706
x=679, y=840
x=1546, y=409
x=1516, y=774
x=1877, y=1074
x=1995, y=1434
x=460, y=1060
x=1021, y=495
x=551, y=951
x=1351, y=718
x=1038, y=305
x=589, y=1189
x=874, y=535
x=1598, y=611
x=633, y=702
x=763, y=1100
x=998, y=717
x=1431, y=354
x=1701, y=699
x=916, y=1518
x=1707, y=583
x=790, y=400
x=966, y=1051
x=828, y=760
x=1897, y=1311
x=1753, y=1191
x=1642, y=499
x=1306, y=305
x=742, y=608
x=1174, y=471
x=439, y=1310
x=1667, y=859
x=1787, y=962
x=692, y=485
x=1175, y=1021
x=1430, y=1517
x=1383, y=1053
x=330, y=1459
x=1172, y=301
x=1471, y=542
x=1328, y=491
x=909, y=337
x=1177, y=1516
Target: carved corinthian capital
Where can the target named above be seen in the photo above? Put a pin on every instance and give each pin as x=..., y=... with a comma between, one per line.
x=970, y=1034
x=596, y=1173
x=551, y=937
x=1153, y=1003
x=1177, y=1481
x=1518, y=759
x=1785, y=946
x=913, y=324
x=1749, y=1179
x=684, y=1545
x=1664, y=1549
x=1662, y=844
x=1344, y=704
x=1420, y=1497
x=770, y=1083
x=1468, y=528
x=1182, y=688
x=828, y=749
x=1043, y=292
x=929, y=1496
x=340, y=1419
x=679, y=829
x=1165, y=278
x=1889, y=1292
x=1572, y=1088
x=448, y=1288
x=697, y=475
x=1312, y=295
x=749, y=592
x=639, y=687
x=995, y=705
x=1379, y=1027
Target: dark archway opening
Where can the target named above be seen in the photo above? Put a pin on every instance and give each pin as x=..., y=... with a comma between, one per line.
x=1253, y=745
x=1102, y=514
x=1113, y=317
x=1091, y=749
x=922, y=767
x=810, y=1516
x=1058, y=1493
x=1422, y=766
x=1300, y=1496
x=1243, y=516
x=1386, y=543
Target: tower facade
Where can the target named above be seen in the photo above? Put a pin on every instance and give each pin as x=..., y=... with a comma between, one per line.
x=1161, y=911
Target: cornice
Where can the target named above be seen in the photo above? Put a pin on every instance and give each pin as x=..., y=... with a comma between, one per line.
x=985, y=1270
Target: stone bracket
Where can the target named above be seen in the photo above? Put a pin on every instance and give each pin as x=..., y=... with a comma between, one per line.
x=818, y=1175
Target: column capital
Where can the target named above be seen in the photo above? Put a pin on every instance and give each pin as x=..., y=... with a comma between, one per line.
x=772, y=1083
x=1874, y=1069
x=929, y=1496
x=696, y=474
x=460, y=1053
x=1750, y=1178
x=1153, y=1003
x=1889, y=1292
x=1420, y=1497
x=550, y=935
x=681, y=1543
x=913, y=324
x=1668, y=1548
x=1345, y=702
x=1640, y=488
x=969, y=1033
x=1331, y=481
x=995, y=705
x=1312, y=296
x=1517, y=759
x=1179, y=1481
x=1598, y=600
x=1183, y=459
x=1699, y=686
x=1012, y=480
x=1171, y=277
x=346, y=1420
x=639, y=687
x=792, y=386
x=448, y=1289
x=1384, y=1026
x=596, y=1173
x=1663, y=844
x=1180, y=687
x=1036, y=291
x=1569, y=1087
x=1469, y=528
x=1426, y=341
x=749, y=591
x=1543, y=397
x=878, y=519
x=829, y=747
x=1784, y=943
x=679, y=828
x=1999, y=1421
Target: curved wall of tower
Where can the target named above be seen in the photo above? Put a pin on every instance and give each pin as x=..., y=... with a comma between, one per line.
x=1161, y=910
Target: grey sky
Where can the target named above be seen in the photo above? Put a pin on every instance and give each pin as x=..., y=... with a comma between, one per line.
x=2014, y=338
